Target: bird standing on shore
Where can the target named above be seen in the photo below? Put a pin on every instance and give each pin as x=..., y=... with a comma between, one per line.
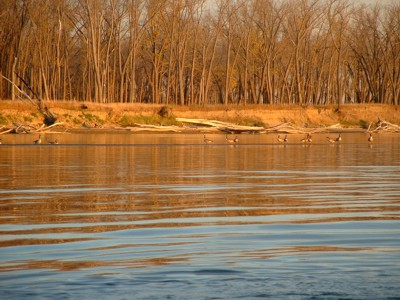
x=38, y=141
x=280, y=140
x=370, y=138
x=236, y=139
x=338, y=139
x=207, y=141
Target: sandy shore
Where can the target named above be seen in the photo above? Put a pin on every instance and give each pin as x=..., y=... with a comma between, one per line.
x=78, y=115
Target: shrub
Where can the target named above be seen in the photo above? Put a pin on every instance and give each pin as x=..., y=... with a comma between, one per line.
x=364, y=124
x=3, y=119
x=28, y=119
x=92, y=118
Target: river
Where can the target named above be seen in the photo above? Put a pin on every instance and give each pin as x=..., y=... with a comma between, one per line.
x=165, y=216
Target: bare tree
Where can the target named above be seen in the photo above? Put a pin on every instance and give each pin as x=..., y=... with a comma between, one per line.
x=191, y=52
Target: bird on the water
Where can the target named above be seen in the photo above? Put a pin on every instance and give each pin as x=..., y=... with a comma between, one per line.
x=38, y=141
x=55, y=142
x=207, y=141
x=229, y=140
x=338, y=139
x=330, y=140
x=280, y=140
x=370, y=138
x=307, y=139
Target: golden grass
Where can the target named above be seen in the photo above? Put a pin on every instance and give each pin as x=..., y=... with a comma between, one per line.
x=74, y=115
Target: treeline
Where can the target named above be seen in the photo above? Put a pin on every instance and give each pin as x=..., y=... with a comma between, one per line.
x=198, y=52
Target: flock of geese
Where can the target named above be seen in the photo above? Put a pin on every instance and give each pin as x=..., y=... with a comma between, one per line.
x=231, y=141
x=307, y=139
x=39, y=141
x=235, y=140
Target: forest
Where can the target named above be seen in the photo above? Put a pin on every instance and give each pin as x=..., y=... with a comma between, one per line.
x=198, y=52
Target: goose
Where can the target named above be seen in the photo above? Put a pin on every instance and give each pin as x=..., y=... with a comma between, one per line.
x=207, y=141
x=236, y=139
x=330, y=140
x=229, y=140
x=55, y=142
x=285, y=139
x=0, y=141
x=370, y=138
x=280, y=140
x=38, y=141
x=307, y=139
x=338, y=139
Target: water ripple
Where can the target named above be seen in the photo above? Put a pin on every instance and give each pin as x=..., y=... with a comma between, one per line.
x=188, y=221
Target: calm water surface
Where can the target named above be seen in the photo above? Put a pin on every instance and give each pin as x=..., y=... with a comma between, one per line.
x=156, y=216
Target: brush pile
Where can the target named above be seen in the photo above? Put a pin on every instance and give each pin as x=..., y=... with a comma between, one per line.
x=386, y=126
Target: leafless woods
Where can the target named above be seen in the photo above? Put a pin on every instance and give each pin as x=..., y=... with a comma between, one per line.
x=197, y=52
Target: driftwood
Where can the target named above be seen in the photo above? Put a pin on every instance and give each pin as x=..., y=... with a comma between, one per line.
x=280, y=128
x=44, y=128
x=223, y=126
x=23, y=128
x=141, y=127
x=26, y=128
x=386, y=126
x=291, y=129
x=6, y=131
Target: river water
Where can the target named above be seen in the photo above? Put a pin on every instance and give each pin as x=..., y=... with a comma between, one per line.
x=158, y=216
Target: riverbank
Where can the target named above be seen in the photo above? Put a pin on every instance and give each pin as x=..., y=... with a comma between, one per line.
x=78, y=115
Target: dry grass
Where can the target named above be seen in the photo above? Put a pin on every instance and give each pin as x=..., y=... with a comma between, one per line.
x=73, y=114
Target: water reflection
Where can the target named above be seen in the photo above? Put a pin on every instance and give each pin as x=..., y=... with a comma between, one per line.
x=170, y=204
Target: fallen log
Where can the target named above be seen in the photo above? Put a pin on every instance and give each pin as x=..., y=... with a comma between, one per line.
x=331, y=128
x=284, y=128
x=280, y=128
x=23, y=128
x=26, y=128
x=386, y=126
x=291, y=129
x=7, y=131
x=223, y=126
x=142, y=127
x=42, y=128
